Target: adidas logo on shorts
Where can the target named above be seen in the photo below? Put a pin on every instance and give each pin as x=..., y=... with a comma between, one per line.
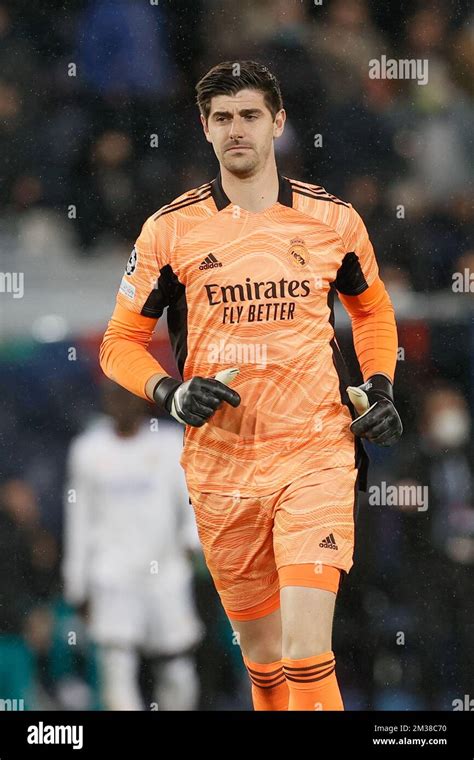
x=210, y=262
x=329, y=542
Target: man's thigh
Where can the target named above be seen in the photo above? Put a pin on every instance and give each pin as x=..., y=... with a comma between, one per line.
x=118, y=616
x=313, y=535
x=237, y=541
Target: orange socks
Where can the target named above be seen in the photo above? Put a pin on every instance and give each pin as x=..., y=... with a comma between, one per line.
x=269, y=687
x=312, y=683
x=307, y=684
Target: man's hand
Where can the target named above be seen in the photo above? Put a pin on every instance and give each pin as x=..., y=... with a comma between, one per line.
x=196, y=400
x=378, y=419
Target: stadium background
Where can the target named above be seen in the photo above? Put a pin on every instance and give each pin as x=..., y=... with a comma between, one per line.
x=98, y=129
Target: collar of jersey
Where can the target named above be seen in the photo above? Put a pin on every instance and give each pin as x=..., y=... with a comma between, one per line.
x=285, y=193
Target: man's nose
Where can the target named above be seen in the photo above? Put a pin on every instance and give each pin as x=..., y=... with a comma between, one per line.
x=236, y=128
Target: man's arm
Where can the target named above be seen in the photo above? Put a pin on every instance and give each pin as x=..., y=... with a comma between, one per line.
x=143, y=295
x=78, y=518
x=374, y=330
x=151, y=385
x=124, y=355
x=363, y=295
x=147, y=288
x=124, y=358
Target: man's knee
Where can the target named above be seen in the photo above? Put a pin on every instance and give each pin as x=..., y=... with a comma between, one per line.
x=297, y=648
x=261, y=651
x=260, y=639
x=307, y=619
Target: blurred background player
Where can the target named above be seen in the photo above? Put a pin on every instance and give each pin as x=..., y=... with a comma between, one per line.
x=129, y=534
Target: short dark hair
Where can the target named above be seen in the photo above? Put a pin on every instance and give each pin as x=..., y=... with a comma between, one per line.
x=230, y=77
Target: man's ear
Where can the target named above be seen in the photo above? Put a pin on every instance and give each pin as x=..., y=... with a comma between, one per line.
x=205, y=127
x=279, y=123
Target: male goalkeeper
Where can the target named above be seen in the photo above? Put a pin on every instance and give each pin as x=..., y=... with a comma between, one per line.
x=248, y=265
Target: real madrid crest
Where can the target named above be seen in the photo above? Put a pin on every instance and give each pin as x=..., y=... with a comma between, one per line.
x=298, y=253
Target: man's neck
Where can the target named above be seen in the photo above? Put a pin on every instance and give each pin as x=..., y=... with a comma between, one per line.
x=255, y=193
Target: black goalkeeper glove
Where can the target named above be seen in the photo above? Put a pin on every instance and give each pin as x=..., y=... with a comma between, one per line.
x=379, y=421
x=196, y=400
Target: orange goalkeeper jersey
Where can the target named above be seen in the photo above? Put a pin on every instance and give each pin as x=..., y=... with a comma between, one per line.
x=255, y=291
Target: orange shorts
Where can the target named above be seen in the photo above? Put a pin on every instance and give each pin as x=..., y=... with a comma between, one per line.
x=301, y=535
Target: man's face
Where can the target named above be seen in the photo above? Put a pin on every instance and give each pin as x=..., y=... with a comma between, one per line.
x=241, y=129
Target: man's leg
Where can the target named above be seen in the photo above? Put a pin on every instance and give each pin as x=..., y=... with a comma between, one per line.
x=313, y=543
x=176, y=683
x=260, y=642
x=119, y=678
x=308, y=659
x=236, y=537
x=116, y=625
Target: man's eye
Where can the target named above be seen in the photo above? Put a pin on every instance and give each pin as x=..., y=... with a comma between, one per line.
x=251, y=116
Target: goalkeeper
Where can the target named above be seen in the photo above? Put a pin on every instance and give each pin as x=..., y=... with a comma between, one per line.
x=248, y=266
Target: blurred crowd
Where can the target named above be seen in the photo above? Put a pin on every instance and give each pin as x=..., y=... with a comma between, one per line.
x=98, y=129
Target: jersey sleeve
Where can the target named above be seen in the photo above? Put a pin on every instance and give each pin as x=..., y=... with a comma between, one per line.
x=359, y=267
x=145, y=291
x=363, y=295
x=374, y=330
x=142, y=289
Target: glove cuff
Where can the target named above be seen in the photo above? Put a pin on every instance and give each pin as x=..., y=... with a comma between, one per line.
x=377, y=387
x=164, y=391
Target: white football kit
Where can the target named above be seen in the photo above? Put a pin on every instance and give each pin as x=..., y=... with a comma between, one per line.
x=128, y=524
